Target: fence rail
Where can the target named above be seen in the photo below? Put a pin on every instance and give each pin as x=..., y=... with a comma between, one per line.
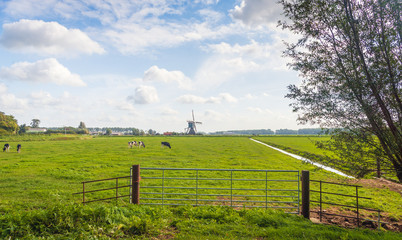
x=116, y=188
x=357, y=205
x=232, y=187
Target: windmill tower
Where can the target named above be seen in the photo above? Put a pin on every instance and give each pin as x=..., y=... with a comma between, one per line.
x=192, y=129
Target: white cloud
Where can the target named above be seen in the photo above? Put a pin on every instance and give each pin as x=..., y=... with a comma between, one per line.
x=169, y=111
x=253, y=50
x=227, y=97
x=47, y=38
x=42, y=98
x=192, y=99
x=145, y=95
x=9, y=102
x=207, y=2
x=133, y=38
x=156, y=74
x=213, y=115
x=257, y=12
x=231, y=61
x=45, y=71
x=28, y=8
x=219, y=69
x=189, y=99
x=133, y=27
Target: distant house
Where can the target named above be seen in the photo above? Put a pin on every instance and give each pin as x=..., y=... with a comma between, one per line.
x=96, y=133
x=36, y=130
x=117, y=134
x=167, y=133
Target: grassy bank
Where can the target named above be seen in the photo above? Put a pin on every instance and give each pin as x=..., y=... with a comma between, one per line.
x=71, y=221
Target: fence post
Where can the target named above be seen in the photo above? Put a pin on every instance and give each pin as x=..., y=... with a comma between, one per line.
x=135, y=185
x=305, y=178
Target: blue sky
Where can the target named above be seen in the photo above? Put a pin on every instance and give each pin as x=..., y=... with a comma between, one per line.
x=145, y=64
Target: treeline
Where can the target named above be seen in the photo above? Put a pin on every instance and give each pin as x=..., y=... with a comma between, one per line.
x=304, y=131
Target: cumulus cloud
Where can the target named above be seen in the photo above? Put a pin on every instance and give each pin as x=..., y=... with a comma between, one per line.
x=145, y=95
x=44, y=71
x=156, y=74
x=230, y=61
x=260, y=111
x=167, y=111
x=9, y=102
x=133, y=26
x=192, y=99
x=134, y=38
x=47, y=38
x=43, y=98
x=257, y=12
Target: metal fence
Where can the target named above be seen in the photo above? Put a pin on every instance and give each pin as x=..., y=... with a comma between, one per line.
x=356, y=200
x=231, y=187
x=96, y=190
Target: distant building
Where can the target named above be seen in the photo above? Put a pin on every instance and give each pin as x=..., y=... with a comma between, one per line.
x=36, y=130
x=117, y=134
x=168, y=133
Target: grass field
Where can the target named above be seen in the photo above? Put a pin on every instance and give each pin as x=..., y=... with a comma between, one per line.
x=301, y=143
x=49, y=170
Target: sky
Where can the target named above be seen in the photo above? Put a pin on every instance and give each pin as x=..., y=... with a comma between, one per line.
x=146, y=64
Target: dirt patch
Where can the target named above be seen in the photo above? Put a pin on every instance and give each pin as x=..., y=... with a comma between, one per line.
x=378, y=183
x=350, y=221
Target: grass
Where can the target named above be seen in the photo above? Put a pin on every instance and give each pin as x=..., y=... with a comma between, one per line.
x=305, y=146
x=100, y=221
x=49, y=169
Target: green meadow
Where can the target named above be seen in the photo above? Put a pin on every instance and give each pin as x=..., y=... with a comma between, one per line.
x=38, y=184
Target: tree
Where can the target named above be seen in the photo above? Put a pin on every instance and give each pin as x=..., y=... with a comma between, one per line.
x=82, y=129
x=23, y=129
x=35, y=123
x=136, y=131
x=108, y=131
x=8, y=124
x=349, y=57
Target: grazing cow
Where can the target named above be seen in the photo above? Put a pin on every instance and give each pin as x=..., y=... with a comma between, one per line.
x=6, y=147
x=132, y=143
x=166, y=144
x=19, y=148
x=141, y=144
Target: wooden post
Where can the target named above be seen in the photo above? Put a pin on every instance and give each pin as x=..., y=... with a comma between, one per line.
x=305, y=178
x=135, y=185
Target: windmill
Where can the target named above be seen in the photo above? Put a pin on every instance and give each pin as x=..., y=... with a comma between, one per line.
x=192, y=129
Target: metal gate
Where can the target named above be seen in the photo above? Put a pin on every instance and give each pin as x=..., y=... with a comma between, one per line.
x=231, y=187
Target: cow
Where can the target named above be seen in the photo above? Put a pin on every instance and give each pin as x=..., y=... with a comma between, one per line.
x=166, y=144
x=141, y=144
x=132, y=143
x=6, y=147
x=19, y=148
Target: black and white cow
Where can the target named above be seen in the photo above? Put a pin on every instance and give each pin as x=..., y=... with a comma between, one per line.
x=19, y=148
x=6, y=147
x=132, y=143
x=165, y=144
x=141, y=144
